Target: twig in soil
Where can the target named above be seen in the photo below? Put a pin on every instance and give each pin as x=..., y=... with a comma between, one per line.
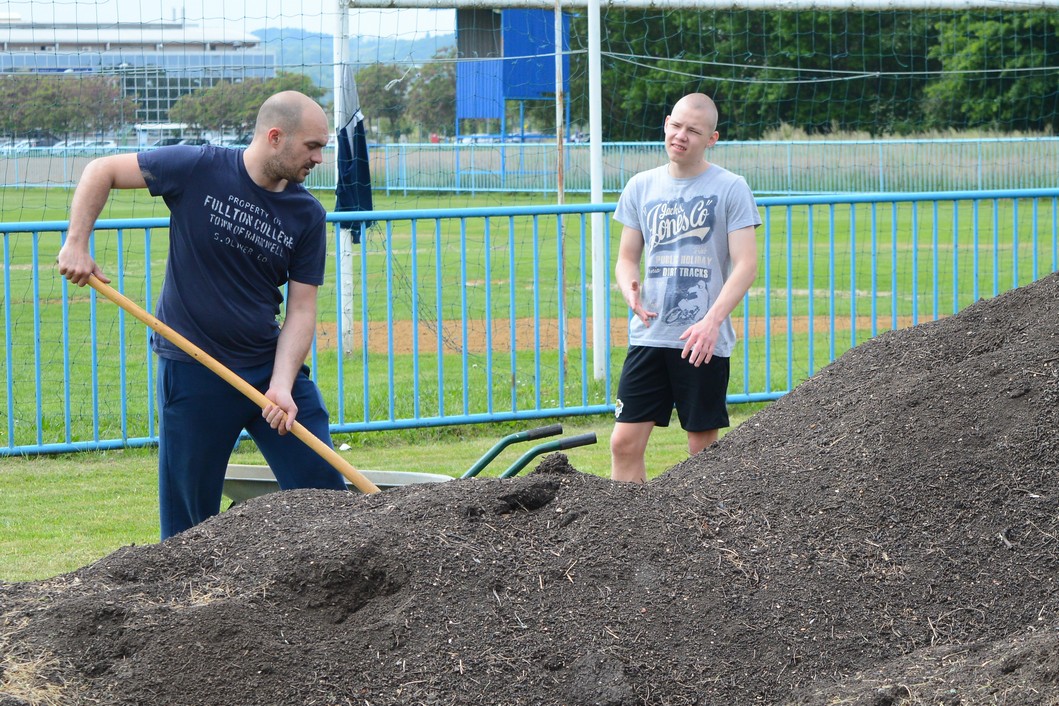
x=568, y=569
x=934, y=634
x=1052, y=537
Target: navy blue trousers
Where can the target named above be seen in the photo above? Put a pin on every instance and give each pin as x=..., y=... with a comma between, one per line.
x=201, y=418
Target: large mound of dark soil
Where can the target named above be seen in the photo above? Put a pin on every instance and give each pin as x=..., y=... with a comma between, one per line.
x=888, y=533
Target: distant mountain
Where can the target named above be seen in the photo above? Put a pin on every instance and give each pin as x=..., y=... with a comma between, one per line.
x=312, y=54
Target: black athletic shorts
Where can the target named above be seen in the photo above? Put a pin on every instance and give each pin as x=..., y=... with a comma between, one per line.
x=653, y=380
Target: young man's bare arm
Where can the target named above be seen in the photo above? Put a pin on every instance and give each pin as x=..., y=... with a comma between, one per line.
x=627, y=272
x=701, y=337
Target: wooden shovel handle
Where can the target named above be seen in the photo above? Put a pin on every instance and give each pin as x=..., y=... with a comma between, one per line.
x=326, y=452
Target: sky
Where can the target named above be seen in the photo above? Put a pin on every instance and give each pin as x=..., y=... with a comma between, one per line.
x=243, y=15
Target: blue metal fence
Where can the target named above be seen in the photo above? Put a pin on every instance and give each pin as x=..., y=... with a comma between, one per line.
x=460, y=316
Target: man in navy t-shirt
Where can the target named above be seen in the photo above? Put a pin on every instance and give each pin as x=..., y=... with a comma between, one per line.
x=242, y=226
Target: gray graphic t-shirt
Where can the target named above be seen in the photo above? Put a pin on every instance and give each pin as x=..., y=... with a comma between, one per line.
x=685, y=225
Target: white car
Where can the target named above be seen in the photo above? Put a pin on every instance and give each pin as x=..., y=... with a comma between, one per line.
x=17, y=146
x=84, y=145
x=68, y=145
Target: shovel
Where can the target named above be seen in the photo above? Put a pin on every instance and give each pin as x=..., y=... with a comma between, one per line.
x=326, y=452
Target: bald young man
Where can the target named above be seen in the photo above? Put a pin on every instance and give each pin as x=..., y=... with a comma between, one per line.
x=692, y=224
x=242, y=227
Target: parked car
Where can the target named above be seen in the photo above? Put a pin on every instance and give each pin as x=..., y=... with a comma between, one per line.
x=19, y=145
x=479, y=138
x=84, y=145
x=240, y=141
x=68, y=145
x=166, y=141
x=30, y=140
x=41, y=138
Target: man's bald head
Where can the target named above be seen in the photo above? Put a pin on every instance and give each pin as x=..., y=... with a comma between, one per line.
x=285, y=110
x=690, y=130
x=289, y=137
x=701, y=103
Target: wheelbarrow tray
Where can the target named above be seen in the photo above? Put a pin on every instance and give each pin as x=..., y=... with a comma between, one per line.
x=242, y=482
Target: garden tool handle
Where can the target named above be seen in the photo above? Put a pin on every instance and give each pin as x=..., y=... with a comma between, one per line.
x=547, y=447
x=573, y=442
x=326, y=452
x=541, y=432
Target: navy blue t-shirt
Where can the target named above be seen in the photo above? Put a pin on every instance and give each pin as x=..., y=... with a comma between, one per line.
x=232, y=245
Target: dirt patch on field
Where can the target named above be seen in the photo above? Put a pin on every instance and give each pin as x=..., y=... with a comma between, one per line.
x=887, y=533
x=527, y=335
x=530, y=333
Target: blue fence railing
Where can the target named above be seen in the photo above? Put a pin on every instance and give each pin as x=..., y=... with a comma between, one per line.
x=461, y=316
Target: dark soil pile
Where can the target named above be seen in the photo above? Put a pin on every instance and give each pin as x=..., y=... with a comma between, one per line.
x=886, y=534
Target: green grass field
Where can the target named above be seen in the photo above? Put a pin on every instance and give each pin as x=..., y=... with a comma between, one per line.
x=829, y=277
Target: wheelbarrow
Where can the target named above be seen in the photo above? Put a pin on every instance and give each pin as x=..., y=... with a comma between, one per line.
x=242, y=482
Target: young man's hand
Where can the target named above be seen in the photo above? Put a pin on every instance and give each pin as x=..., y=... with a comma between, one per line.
x=633, y=300
x=700, y=339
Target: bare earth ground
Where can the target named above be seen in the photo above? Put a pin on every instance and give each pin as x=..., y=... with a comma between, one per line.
x=886, y=534
x=545, y=332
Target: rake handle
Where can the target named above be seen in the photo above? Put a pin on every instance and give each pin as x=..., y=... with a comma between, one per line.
x=326, y=452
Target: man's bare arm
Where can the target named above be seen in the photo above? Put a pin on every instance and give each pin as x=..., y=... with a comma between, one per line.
x=93, y=189
x=295, y=339
x=627, y=272
x=701, y=337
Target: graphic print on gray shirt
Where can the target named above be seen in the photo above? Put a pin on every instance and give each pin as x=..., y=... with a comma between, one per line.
x=685, y=225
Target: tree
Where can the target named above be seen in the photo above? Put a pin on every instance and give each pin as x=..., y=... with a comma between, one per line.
x=998, y=72
x=825, y=71
x=223, y=106
x=383, y=94
x=817, y=71
x=432, y=95
x=233, y=106
x=636, y=97
x=62, y=104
